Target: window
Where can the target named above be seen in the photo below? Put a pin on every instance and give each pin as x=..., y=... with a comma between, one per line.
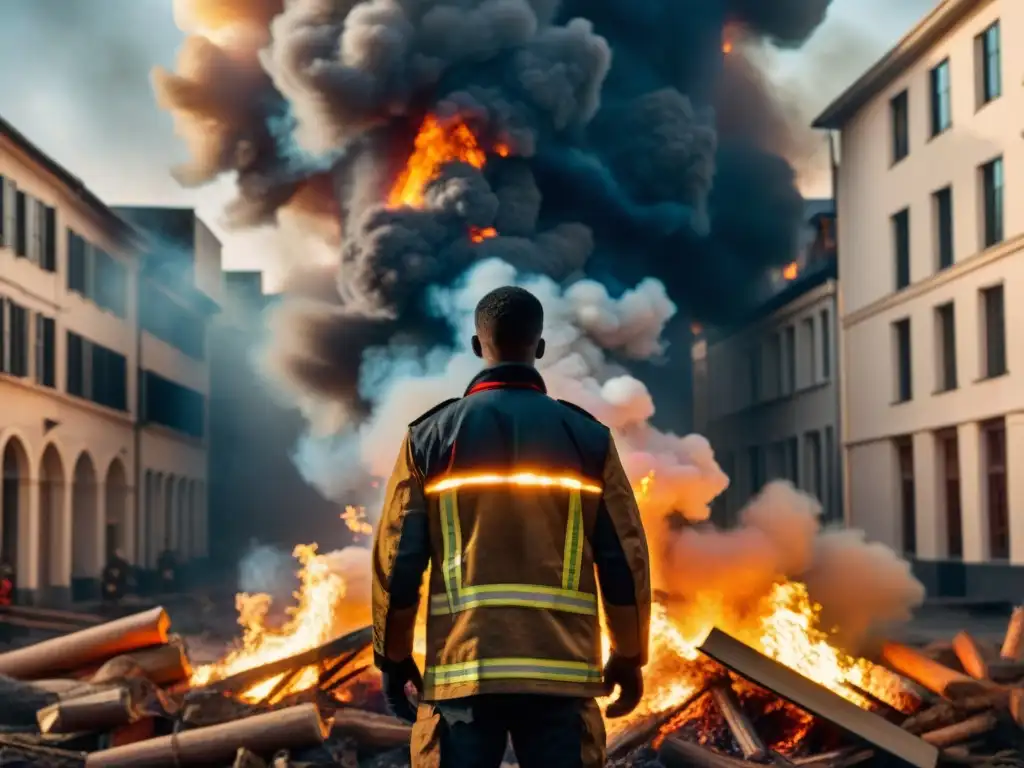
x=908, y=507
x=46, y=351
x=20, y=224
x=994, y=343
x=77, y=269
x=992, y=201
x=826, y=346
x=994, y=437
x=76, y=373
x=901, y=341
x=793, y=461
x=812, y=446
x=945, y=326
x=899, y=115
x=48, y=232
x=110, y=283
x=170, y=322
x=172, y=405
x=808, y=349
x=96, y=373
x=949, y=455
x=942, y=108
x=942, y=205
x=901, y=247
x=17, y=340
x=830, y=473
x=988, y=61
x=789, y=344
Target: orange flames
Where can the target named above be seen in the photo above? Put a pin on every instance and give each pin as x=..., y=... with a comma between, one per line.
x=790, y=271
x=438, y=143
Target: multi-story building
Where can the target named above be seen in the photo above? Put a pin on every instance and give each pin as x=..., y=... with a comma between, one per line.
x=179, y=292
x=932, y=261
x=766, y=393
x=74, y=440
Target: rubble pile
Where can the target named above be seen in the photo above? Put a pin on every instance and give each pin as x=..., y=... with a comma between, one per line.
x=119, y=693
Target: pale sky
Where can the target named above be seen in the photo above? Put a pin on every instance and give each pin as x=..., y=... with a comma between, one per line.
x=75, y=79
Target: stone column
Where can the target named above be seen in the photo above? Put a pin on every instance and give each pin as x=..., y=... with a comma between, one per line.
x=129, y=543
x=931, y=527
x=1015, y=484
x=65, y=530
x=28, y=534
x=99, y=556
x=972, y=507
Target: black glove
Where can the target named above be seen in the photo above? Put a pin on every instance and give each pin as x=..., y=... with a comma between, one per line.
x=396, y=676
x=626, y=674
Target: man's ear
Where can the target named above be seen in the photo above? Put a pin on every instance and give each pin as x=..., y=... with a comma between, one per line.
x=541, y=346
x=477, y=349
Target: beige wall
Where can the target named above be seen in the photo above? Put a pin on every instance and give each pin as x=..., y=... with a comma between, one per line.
x=72, y=464
x=871, y=190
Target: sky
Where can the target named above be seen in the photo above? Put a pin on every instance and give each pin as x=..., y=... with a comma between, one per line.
x=75, y=79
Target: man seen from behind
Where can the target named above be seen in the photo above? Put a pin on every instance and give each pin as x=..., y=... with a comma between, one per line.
x=519, y=505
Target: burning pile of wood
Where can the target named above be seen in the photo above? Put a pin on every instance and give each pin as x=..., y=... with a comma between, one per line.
x=118, y=694
x=968, y=709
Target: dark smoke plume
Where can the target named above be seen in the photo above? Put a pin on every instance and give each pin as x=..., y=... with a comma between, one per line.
x=629, y=152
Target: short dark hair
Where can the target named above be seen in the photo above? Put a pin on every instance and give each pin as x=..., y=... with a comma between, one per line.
x=511, y=319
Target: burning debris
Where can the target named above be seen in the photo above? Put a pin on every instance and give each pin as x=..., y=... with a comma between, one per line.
x=126, y=695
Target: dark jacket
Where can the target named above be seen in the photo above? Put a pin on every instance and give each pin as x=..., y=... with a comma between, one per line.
x=520, y=506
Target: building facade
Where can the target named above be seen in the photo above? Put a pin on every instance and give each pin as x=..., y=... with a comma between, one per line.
x=74, y=443
x=932, y=260
x=766, y=392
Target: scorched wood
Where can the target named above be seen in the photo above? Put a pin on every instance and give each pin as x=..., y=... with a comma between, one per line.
x=947, y=712
x=978, y=725
x=294, y=728
x=646, y=728
x=817, y=700
x=677, y=753
x=370, y=729
x=93, y=712
x=749, y=742
x=934, y=676
x=164, y=664
x=1013, y=641
x=971, y=657
x=87, y=646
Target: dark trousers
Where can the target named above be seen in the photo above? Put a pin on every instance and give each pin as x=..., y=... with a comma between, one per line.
x=546, y=732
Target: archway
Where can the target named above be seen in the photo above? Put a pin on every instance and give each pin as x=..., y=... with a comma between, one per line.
x=13, y=500
x=115, y=512
x=84, y=521
x=183, y=498
x=51, y=520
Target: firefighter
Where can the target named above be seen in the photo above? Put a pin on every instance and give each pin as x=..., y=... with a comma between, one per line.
x=520, y=507
x=7, y=583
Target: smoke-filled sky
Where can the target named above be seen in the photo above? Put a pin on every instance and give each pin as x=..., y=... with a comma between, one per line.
x=75, y=78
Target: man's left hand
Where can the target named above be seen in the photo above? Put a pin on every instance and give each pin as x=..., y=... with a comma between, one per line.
x=397, y=676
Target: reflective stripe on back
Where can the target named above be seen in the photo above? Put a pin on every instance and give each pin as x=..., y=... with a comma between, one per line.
x=521, y=595
x=513, y=669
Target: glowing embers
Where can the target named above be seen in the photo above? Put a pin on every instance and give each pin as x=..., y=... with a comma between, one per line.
x=516, y=479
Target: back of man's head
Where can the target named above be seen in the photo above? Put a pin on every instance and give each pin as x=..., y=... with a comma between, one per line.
x=509, y=324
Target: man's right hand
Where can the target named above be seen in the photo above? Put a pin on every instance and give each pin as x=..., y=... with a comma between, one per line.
x=628, y=676
x=396, y=676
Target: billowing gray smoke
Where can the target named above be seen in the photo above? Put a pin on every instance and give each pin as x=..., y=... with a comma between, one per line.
x=617, y=166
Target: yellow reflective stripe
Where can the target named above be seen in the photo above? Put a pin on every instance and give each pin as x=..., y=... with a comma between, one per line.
x=451, y=536
x=520, y=479
x=572, y=556
x=513, y=669
x=515, y=595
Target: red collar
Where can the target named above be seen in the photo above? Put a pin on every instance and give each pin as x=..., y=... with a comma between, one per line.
x=483, y=386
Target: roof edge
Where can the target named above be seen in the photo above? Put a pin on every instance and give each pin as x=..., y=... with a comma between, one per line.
x=925, y=33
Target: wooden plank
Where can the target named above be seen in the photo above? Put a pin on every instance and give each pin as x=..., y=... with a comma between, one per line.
x=1013, y=640
x=819, y=701
x=747, y=738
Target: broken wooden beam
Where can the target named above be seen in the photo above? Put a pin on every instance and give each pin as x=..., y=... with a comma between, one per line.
x=90, y=713
x=970, y=655
x=977, y=725
x=678, y=753
x=371, y=730
x=817, y=700
x=246, y=679
x=747, y=739
x=164, y=664
x=299, y=727
x=947, y=712
x=1013, y=640
x=86, y=646
x=936, y=677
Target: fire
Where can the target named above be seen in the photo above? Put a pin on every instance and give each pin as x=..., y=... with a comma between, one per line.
x=355, y=519
x=438, y=143
x=790, y=271
x=310, y=624
x=784, y=626
x=727, y=47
